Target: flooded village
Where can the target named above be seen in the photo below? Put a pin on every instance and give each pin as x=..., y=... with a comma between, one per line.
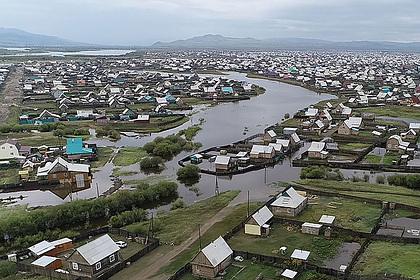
x=191, y=164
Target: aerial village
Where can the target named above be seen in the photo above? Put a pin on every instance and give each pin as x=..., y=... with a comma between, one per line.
x=350, y=211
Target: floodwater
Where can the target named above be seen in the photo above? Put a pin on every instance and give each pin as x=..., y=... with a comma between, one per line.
x=344, y=255
x=223, y=124
x=107, y=52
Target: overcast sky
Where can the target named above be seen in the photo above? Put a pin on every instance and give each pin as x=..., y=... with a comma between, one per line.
x=142, y=22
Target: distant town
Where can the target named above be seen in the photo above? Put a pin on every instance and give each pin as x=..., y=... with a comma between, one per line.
x=182, y=164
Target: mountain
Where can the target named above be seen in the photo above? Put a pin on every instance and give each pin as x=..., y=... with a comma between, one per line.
x=11, y=37
x=220, y=42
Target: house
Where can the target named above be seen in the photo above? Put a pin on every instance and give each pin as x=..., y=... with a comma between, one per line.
x=47, y=262
x=300, y=255
x=227, y=90
x=409, y=135
x=94, y=258
x=351, y=126
x=46, y=117
x=65, y=173
x=289, y=203
x=9, y=151
x=318, y=150
x=212, y=259
x=289, y=274
x=269, y=136
x=76, y=150
x=262, y=152
x=311, y=228
x=415, y=127
x=311, y=112
x=102, y=119
x=396, y=144
x=257, y=224
x=327, y=220
x=141, y=119
x=223, y=163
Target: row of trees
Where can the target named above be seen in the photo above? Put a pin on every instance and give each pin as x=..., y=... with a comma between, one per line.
x=78, y=213
x=321, y=172
x=409, y=181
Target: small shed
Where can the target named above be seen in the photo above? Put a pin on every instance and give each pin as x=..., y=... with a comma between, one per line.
x=47, y=262
x=327, y=220
x=311, y=228
x=257, y=224
x=301, y=255
x=289, y=274
x=223, y=163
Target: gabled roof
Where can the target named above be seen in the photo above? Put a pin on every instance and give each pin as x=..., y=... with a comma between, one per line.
x=316, y=147
x=98, y=249
x=75, y=147
x=353, y=122
x=224, y=160
x=44, y=261
x=217, y=251
x=262, y=216
x=71, y=167
x=289, y=199
x=41, y=248
x=261, y=149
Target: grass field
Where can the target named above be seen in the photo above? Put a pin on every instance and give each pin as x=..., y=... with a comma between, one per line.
x=9, y=176
x=394, y=111
x=353, y=146
x=282, y=235
x=349, y=213
x=389, y=158
x=374, y=159
x=366, y=190
x=390, y=258
x=129, y=156
x=177, y=225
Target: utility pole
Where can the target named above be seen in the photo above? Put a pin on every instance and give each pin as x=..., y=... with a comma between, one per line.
x=97, y=190
x=217, y=187
x=199, y=234
x=248, y=205
x=265, y=174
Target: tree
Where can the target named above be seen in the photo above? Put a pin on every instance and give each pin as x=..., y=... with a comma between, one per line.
x=189, y=174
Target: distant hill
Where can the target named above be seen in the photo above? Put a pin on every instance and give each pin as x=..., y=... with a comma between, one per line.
x=220, y=42
x=11, y=37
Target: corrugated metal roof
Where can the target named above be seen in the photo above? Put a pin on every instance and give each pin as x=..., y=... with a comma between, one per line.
x=41, y=248
x=44, y=261
x=262, y=216
x=98, y=249
x=217, y=251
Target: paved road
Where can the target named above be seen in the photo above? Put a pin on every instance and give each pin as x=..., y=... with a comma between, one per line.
x=11, y=94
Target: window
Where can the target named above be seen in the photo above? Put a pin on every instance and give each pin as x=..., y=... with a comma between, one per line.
x=75, y=266
x=112, y=258
x=98, y=266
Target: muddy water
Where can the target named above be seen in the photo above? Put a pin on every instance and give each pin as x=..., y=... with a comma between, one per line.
x=223, y=124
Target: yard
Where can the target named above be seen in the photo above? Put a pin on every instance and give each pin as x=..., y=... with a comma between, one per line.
x=244, y=271
x=129, y=156
x=103, y=156
x=284, y=235
x=390, y=258
x=349, y=213
x=353, y=146
x=394, y=111
x=9, y=176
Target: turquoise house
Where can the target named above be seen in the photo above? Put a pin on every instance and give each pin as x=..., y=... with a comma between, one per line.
x=76, y=150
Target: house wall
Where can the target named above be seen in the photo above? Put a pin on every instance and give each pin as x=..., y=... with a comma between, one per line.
x=314, y=154
x=310, y=230
x=252, y=229
x=222, y=167
x=203, y=271
x=8, y=151
x=68, y=179
x=344, y=130
x=392, y=145
x=60, y=249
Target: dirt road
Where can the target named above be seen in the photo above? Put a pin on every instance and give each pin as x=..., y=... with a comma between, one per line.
x=11, y=94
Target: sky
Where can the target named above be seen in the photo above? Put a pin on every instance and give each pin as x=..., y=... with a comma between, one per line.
x=143, y=22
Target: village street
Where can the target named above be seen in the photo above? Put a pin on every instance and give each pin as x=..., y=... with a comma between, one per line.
x=12, y=93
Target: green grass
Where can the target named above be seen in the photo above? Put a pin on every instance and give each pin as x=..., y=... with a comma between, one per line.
x=373, y=159
x=44, y=138
x=190, y=132
x=366, y=190
x=117, y=172
x=103, y=156
x=394, y=111
x=9, y=176
x=282, y=235
x=349, y=213
x=244, y=271
x=313, y=275
x=353, y=146
x=129, y=156
x=177, y=225
x=390, y=258
x=390, y=157
x=238, y=214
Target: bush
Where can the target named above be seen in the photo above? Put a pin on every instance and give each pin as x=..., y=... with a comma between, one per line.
x=380, y=179
x=179, y=203
x=7, y=268
x=409, y=181
x=313, y=172
x=128, y=217
x=189, y=172
x=151, y=163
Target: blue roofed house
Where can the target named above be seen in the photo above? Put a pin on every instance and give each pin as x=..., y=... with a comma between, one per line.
x=75, y=149
x=170, y=99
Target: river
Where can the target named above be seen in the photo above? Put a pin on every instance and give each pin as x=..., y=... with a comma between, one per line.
x=223, y=124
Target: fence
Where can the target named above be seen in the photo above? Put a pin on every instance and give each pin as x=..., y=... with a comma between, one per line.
x=46, y=272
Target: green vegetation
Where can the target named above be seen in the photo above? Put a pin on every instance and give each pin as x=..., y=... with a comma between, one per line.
x=389, y=158
x=129, y=156
x=128, y=217
x=393, y=111
x=349, y=213
x=178, y=203
x=7, y=268
x=103, y=155
x=189, y=174
x=390, y=258
x=177, y=225
x=366, y=190
x=28, y=227
x=313, y=275
x=169, y=147
x=354, y=146
x=409, y=181
x=373, y=159
x=190, y=132
x=282, y=235
x=151, y=163
x=320, y=172
x=9, y=176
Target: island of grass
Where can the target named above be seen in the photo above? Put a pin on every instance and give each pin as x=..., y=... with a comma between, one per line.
x=388, y=258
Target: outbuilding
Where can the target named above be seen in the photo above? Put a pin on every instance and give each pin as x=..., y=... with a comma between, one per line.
x=258, y=223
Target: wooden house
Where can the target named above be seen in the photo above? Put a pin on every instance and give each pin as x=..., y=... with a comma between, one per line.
x=223, y=163
x=212, y=260
x=311, y=228
x=262, y=152
x=317, y=150
x=396, y=144
x=351, y=126
x=269, y=136
x=289, y=203
x=94, y=258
